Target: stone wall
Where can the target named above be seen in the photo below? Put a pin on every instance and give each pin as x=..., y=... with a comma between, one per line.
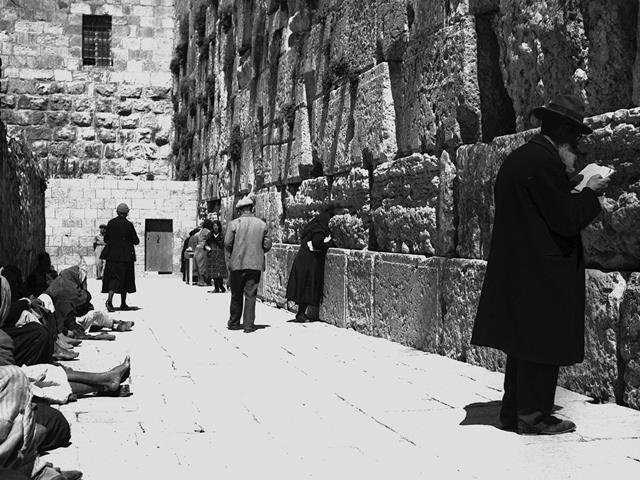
x=22, y=192
x=86, y=119
x=76, y=207
x=404, y=111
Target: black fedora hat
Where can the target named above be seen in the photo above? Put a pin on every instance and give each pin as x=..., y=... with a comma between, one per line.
x=569, y=107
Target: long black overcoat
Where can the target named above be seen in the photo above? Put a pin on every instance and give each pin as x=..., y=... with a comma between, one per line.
x=532, y=301
x=120, y=238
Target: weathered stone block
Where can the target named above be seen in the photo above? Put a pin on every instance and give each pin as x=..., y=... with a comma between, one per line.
x=374, y=138
x=106, y=120
x=446, y=221
x=38, y=133
x=351, y=231
x=157, y=93
x=57, y=119
x=303, y=206
x=8, y=101
x=82, y=119
x=274, y=284
x=26, y=117
x=65, y=134
x=331, y=136
x=84, y=104
x=130, y=91
x=360, y=275
x=405, y=230
x=597, y=376
x=113, y=150
x=333, y=308
x=106, y=89
x=104, y=105
x=460, y=291
x=268, y=206
x=59, y=102
x=75, y=88
x=106, y=136
x=130, y=122
x=406, y=300
x=32, y=102
x=630, y=341
x=478, y=167
x=441, y=101
x=555, y=47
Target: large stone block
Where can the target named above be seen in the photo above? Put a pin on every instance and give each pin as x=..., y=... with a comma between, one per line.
x=612, y=240
x=333, y=308
x=553, y=47
x=630, y=341
x=441, y=98
x=446, y=213
x=374, y=137
x=269, y=207
x=301, y=207
x=299, y=161
x=360, y=276
x=404, y=198
x=406, y=300
x=274, y=283
x=460, y=289
x=331, y=132
x=351, y=229
x=597, y=376
x=478, y=167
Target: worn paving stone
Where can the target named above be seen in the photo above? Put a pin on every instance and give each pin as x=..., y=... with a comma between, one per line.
x=202, y=394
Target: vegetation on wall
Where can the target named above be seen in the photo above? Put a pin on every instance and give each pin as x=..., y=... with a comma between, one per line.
x=226, y=18
x=235, y=144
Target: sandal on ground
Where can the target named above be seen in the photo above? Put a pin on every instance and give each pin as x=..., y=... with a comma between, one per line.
x=101, y=336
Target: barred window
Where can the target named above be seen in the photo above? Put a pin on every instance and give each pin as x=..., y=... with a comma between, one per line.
x=96, y=40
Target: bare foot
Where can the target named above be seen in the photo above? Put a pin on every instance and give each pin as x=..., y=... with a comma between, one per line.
x=123, y=370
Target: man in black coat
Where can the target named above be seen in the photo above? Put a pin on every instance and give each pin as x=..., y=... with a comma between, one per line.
x=118, y=275
x=532, y=301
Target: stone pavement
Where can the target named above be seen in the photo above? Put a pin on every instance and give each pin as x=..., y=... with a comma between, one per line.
x=310, y=401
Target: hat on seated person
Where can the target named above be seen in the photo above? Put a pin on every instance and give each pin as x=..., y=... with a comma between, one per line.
x=244, y=202
x=122, y=208
x=567, y=107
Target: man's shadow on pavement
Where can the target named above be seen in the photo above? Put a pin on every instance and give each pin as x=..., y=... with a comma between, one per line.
x=486, y=413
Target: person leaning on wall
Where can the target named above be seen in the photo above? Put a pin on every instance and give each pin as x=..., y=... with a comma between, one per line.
x=306, y=279
x=533, y=297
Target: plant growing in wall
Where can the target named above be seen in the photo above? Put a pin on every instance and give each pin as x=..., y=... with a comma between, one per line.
x=200, y=24
x=235, y=144
x=226, y=18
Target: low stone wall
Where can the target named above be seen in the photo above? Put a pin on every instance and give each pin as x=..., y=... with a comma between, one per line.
x=430, y=304
x=76, y=207
x=22, y=191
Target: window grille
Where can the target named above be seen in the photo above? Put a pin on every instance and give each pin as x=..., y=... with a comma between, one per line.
x=96, y=40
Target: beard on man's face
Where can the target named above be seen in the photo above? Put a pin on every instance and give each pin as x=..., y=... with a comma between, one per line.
x=568, y=154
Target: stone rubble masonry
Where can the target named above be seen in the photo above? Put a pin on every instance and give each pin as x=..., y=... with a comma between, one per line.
x=76, y=207
x=83, y=119
x=430, y=304
x=22, y=192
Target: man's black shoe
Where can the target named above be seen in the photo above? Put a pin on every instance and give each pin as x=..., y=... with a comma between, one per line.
x=234, y=326
x=250, y=330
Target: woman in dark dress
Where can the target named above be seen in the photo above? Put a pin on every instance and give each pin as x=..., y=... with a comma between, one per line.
x=217, y=264
x=306, y=280
x=118, y=275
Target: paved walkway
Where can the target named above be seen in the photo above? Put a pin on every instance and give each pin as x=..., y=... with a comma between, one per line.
x=310, y=401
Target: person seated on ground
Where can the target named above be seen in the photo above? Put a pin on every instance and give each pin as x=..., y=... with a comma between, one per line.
x=73, y=309
x=34, y=341
x=20, y=435
x=41, y=276
x=61, y=384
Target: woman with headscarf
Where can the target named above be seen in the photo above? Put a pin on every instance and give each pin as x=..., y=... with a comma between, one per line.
x=200, y=252
x=184, y=269
x=118, y=275
x=217, y=264
x=73, y=309
x=306, y=280
x=41, y=276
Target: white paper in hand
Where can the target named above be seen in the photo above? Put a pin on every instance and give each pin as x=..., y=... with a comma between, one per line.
x=591, y=170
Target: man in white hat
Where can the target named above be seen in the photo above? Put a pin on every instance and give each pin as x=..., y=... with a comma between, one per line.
x=246, y=241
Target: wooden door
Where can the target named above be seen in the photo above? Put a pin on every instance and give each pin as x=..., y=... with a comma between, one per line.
x=159, y=245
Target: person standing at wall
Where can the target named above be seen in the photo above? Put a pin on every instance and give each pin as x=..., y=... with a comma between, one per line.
x=201, y=249
x=246, y=241
x=216, y=262
x=120, y=256
x=306, y=280
x=98, y=246
x=532, y=301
